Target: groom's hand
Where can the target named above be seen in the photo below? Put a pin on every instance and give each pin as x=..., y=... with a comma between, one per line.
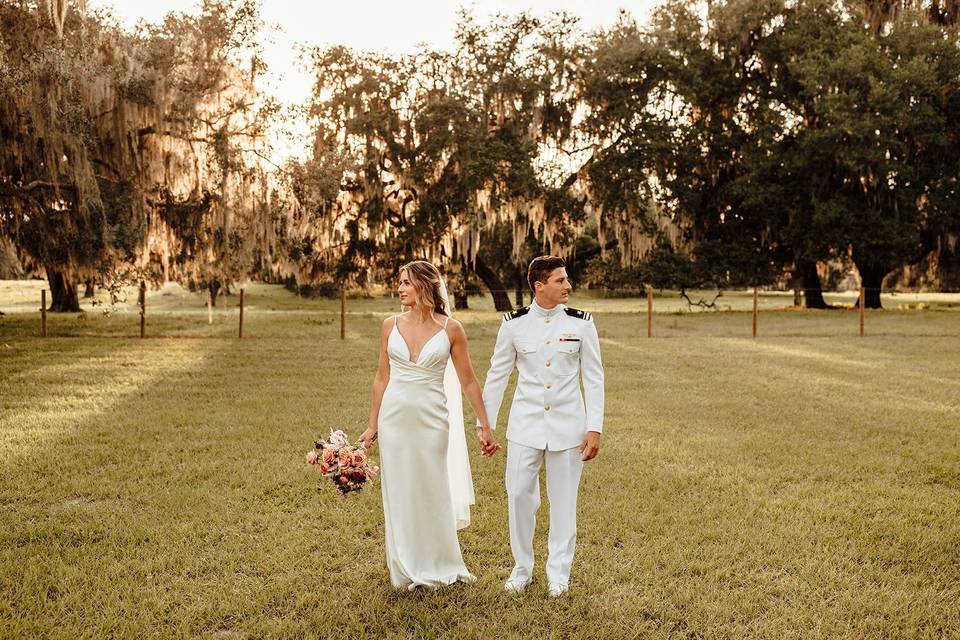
x=488, y=444
x=590, y=446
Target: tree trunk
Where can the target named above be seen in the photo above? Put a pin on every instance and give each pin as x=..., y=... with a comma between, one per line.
x=871, y=278
x=214, y=289
x=88, y=288
x=812, y=289
x=501, y=301
x=796, y=282
x=521, y=285
x=63, y=292
x=586, y=254
x=460, y=290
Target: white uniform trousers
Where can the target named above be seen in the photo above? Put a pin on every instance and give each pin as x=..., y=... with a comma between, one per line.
x=523, y=496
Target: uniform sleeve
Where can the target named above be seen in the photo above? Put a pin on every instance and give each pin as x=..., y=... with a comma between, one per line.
x=591, y=371
x=501, y=366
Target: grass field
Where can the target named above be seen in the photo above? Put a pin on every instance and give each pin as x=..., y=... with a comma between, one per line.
x=802, y=485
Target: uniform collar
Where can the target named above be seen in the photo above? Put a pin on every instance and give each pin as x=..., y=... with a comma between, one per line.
x=547, y=313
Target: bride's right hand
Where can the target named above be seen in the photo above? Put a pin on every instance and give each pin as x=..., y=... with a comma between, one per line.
x=368, y=437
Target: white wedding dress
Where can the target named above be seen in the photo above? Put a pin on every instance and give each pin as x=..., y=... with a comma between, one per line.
x=420, y=519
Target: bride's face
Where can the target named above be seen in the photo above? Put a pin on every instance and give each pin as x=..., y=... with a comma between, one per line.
x=406, y=290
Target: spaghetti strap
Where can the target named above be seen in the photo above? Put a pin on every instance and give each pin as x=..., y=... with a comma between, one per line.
x=445, y=322
x=394, y=321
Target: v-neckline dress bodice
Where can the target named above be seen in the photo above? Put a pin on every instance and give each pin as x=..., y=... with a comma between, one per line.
x=430, y=363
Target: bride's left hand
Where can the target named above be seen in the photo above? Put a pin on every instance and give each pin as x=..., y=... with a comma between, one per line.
x=488, y=444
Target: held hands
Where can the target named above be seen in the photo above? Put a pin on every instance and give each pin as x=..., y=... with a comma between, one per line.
x=368, y=437
x=488, y=444
x=590, y=446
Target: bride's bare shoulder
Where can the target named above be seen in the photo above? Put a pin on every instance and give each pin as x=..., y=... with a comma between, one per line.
x=455, y=328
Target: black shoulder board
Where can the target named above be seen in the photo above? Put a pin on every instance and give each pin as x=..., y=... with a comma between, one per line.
x=522, y=311
x=577, y=313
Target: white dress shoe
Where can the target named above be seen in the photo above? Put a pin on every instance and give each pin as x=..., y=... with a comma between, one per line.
x=556, y=589
x=514, y=585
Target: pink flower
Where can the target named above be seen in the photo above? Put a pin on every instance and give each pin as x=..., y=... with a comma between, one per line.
x=338, y=438
x=328, y=455
x=345, y=457
x=359, y=459
x=324, y=468
x=311, y=457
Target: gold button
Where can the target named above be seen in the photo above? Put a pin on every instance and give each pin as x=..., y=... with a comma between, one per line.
x=548, y=385
x=547, y=408
x=548, y=363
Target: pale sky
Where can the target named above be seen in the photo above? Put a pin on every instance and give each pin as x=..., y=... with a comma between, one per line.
x=372, y=25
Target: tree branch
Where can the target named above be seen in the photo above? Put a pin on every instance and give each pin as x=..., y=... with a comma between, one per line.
x=272, y=163
x=41, y=184
x=701, y=302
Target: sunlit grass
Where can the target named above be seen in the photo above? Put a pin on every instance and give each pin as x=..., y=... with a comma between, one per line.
x=269, y=311
x=805, y=484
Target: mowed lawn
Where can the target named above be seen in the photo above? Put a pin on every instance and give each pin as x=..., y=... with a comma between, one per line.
x=805, y=484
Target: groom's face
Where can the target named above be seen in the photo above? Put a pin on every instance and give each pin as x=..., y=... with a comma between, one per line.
x=556, y=289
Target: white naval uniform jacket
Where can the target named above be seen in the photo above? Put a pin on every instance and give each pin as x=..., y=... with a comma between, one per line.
x=552, y=349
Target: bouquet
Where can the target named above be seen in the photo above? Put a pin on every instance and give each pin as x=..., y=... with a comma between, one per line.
x=346, y=465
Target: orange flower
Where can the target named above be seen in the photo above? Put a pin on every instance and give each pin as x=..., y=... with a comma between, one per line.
x=328, y=455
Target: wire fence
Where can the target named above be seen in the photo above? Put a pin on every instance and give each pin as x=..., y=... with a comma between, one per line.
x=264, y=311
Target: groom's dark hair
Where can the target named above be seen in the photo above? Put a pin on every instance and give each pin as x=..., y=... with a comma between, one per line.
x=541, y=267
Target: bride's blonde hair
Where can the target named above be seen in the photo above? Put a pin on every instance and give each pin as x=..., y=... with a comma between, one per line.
x=425, y=279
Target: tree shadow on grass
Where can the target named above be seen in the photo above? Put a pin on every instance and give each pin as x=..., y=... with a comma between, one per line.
x=172, y=496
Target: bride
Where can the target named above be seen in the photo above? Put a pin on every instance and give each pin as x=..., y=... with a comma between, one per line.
x=417, y=414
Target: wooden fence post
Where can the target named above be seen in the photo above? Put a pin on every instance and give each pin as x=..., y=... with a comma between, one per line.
x=43, y=313
x=240, y=336
x=143, y=309
x=649, y=311
x=863, y=295
x=754, y=312
x=343, y=312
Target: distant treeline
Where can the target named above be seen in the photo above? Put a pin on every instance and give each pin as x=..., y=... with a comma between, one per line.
x=720, y=144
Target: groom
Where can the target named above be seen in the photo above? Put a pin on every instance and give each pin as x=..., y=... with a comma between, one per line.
x=551, y=423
